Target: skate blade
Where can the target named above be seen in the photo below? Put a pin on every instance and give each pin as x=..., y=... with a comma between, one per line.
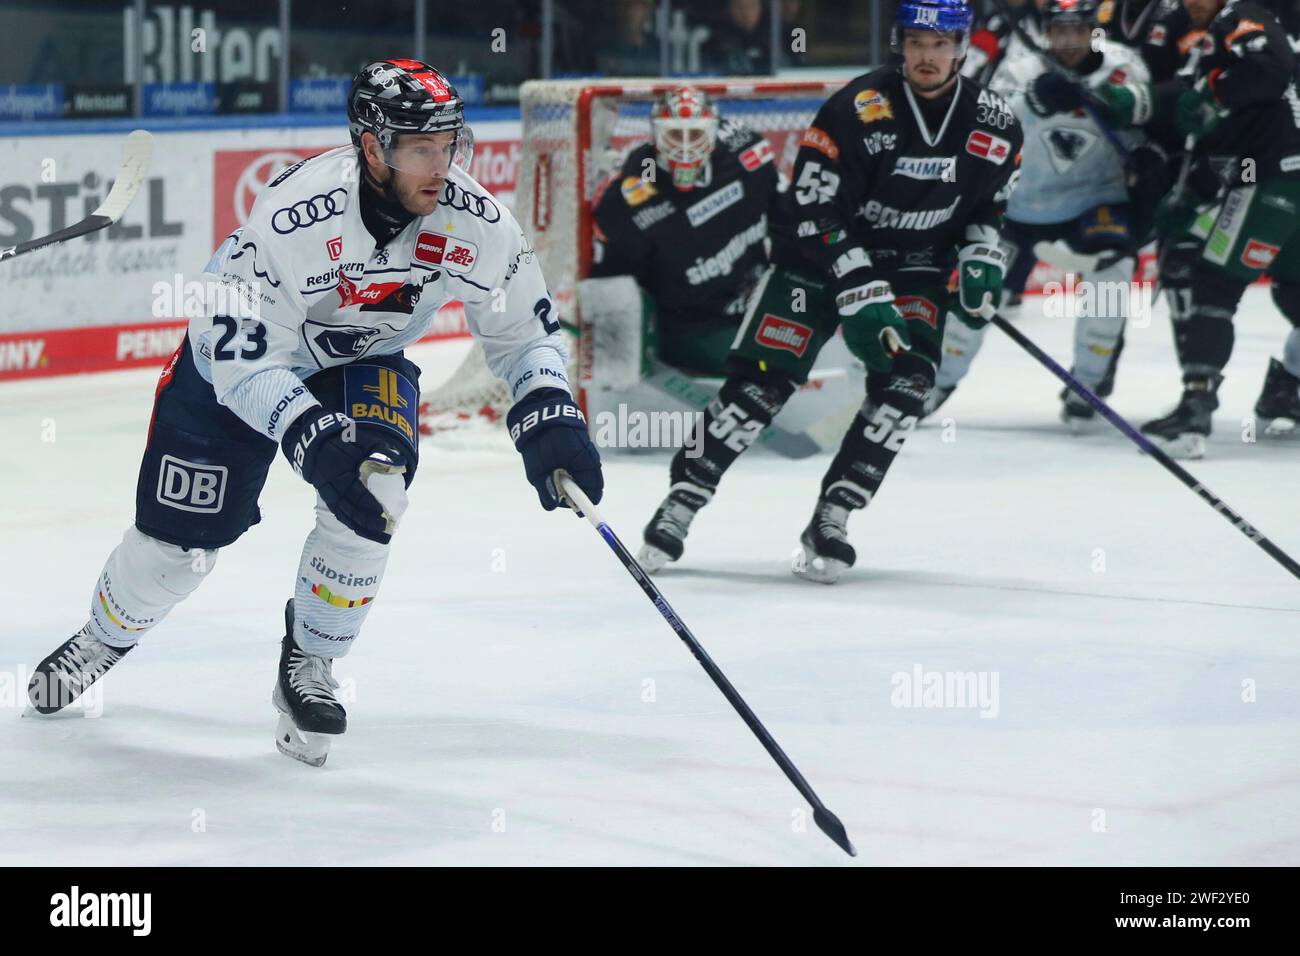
x=1282, y=428
x=811, y=566
x=308, y=748
x=1187, y=447
x=652, y=559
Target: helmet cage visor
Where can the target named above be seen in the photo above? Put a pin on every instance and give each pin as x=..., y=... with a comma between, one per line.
x=426, y=157
x=684, y=145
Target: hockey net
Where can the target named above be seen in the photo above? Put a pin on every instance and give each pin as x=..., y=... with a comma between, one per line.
x=575, y=135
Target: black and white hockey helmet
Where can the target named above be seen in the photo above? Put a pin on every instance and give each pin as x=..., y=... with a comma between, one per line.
x=392, y=97
x=1071, y=11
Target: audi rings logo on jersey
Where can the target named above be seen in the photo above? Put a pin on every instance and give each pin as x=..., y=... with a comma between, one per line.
x=308, y=212
x=464, y=201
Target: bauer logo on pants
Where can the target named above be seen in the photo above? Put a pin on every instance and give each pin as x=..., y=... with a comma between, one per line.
x=191, y=486
x=778, y=333
x=383, y=397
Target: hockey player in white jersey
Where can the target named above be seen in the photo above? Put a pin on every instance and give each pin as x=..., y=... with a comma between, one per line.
x=1071, y=204
x=343, y=262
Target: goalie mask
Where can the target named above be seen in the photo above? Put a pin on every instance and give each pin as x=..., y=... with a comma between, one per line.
x=395, y=97
x=685, y=124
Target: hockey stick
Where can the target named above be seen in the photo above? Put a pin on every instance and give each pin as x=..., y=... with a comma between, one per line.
x=1090, y=102
x=1149, y=447
x=825, y=820
x=130, y=177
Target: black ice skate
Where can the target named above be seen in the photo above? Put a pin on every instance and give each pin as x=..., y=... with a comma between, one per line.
x=1076, y=413
x=1279, y=401
x=67, y=673
x=1183, y=431
x=665, y=535
x=826, y=550
x=304, y=696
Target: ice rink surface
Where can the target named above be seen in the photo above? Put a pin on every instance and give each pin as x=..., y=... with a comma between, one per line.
x=516, y=700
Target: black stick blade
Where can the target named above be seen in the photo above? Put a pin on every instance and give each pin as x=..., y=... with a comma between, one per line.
x=830, y=824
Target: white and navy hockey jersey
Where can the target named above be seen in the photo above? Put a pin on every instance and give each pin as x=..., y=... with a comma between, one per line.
x=311, y=290
x=1067, y=166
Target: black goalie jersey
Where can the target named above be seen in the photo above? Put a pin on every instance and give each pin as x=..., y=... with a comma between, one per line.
x=696, y=252
x=897, y=177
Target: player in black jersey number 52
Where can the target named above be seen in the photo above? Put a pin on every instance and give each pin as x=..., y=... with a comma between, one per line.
x=903, y=175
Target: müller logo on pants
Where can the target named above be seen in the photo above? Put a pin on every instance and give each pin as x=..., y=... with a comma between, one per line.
x=778, y=333
x=916, y=307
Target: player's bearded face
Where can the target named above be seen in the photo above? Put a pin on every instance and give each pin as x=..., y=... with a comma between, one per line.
x=1202, y=11
x=929, y=59
x=417, y=168
x=1070, y=42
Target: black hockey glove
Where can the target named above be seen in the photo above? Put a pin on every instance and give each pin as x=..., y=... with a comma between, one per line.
x=1053, y=92
x=550, y=432
x=328, y=450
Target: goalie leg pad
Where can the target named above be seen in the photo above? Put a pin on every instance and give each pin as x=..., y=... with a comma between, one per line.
x=338, y=578
x=142, y=580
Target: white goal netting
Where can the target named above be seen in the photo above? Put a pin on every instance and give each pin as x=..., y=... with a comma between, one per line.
x=575, y=135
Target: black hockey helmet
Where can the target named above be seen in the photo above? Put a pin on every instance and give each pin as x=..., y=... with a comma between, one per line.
x=1071, y=11
x=391, y=97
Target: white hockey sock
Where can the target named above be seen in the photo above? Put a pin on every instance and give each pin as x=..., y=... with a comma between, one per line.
x=961, y=344
x=338, y=578
x=1291, y=352
x=142, y=580
x=1098, y=325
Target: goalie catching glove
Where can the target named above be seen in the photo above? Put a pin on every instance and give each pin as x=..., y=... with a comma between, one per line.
x=550, y=433
x=328, y=450
x=981, y=264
